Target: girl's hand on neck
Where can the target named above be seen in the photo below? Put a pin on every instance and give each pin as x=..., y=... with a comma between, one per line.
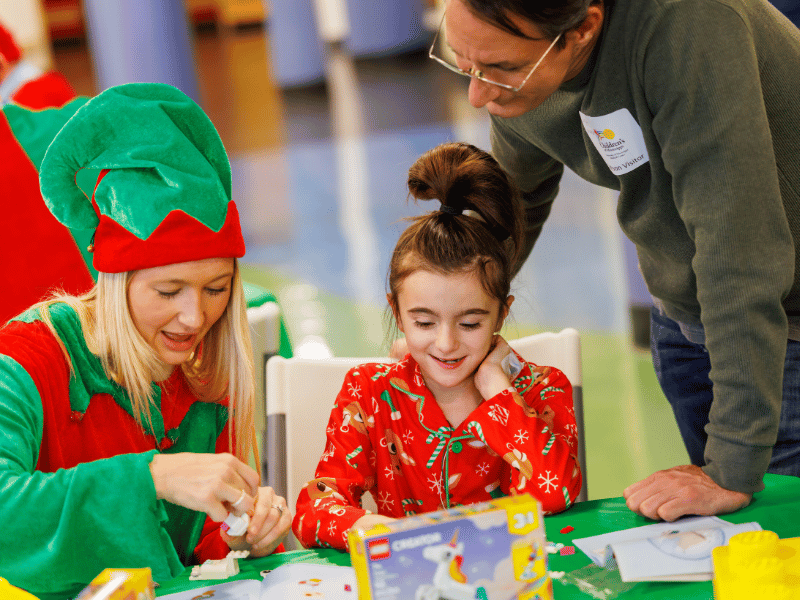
x=490, y=379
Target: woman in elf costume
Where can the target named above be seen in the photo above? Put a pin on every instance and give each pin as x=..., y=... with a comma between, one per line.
x=126, y=414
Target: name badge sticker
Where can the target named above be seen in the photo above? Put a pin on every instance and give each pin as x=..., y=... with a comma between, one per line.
x=619, y=140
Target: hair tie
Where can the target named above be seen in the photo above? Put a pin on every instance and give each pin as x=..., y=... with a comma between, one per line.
x=451, y=210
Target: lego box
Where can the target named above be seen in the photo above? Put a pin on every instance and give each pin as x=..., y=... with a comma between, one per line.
x=120, y=584
x=488, y=551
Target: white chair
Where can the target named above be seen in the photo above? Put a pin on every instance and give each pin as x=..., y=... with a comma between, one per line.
x=265, y=334
x=563, y=351
x=301, y=393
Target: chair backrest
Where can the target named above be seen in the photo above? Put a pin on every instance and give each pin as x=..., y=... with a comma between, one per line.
x=563, y=351
x=265, y=335
x=300, y=395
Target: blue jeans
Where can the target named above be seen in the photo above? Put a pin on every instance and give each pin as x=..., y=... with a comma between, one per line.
x=682, y=366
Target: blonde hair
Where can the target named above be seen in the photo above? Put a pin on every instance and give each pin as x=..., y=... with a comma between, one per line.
x=222, y=368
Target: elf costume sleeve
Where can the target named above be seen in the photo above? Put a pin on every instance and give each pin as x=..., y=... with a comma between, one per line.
x=532, y=427
x=331, y=503
x=72, y=520
x=66, y=524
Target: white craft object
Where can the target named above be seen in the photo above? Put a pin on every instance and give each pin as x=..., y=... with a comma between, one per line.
x=234, y=525
x=219, y=569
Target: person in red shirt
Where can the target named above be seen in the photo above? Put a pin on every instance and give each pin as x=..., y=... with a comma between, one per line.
x=39, y=253
x=23, y=83
x=461, y=418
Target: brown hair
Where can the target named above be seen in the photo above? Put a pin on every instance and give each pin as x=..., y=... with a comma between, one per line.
x=552, y=17
x=488, y=239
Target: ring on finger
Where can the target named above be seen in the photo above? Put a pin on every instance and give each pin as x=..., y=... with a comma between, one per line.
x=279, y=508
x=239, y=500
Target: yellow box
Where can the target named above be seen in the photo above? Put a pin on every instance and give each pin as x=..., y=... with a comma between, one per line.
x=756, y=564
x=10, y=592
x=120, y=584
x=488, y=551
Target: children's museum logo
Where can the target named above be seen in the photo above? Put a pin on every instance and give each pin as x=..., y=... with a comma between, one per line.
x=606, y=134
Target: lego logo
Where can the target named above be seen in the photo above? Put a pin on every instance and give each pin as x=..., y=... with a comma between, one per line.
x=379, y=549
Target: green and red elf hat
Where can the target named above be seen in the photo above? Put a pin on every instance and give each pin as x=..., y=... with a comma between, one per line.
x=163, y=194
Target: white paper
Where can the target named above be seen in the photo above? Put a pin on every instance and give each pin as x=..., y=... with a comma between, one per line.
x=308, y=580
x=680, y=550
x=240, y=589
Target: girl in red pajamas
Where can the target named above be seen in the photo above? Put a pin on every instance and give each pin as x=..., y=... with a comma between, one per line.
x=452, y=422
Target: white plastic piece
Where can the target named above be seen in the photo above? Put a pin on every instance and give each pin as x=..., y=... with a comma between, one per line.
x=219, y=569
x=235, y=526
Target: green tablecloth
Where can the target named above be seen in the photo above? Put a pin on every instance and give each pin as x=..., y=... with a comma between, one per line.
x=777, y=509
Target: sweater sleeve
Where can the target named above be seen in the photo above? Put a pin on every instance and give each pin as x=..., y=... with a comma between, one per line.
x=330, y=503
x=71, y=523
x=702, y=78
x=533, y=429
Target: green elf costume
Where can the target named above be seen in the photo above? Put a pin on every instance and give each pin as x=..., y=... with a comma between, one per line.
x=76, y=492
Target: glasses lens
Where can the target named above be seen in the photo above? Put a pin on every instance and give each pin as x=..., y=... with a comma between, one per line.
x=443, y=54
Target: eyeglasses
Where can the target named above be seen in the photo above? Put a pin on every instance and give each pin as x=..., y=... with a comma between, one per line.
x=478, y=74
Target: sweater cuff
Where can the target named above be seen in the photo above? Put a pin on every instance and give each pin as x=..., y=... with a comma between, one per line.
x=735, y=466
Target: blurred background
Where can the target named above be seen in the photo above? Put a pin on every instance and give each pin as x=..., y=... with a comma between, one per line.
x=323, y=105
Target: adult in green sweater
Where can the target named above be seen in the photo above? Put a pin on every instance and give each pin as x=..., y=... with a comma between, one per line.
x=690, y=109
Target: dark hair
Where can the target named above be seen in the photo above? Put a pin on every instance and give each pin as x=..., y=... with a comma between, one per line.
x=550, y=16
x=461, y=177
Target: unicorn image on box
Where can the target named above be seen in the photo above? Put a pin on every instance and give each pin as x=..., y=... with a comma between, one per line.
x=449, y=583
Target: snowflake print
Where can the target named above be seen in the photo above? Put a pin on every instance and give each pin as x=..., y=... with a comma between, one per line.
x=521, y=436
x=482, y=469
x=354, y=390
x=330, y=429
x=389, y=473
x=418, y=381
x=385, y=500
x=435, y=483
x=572, y=429
x=547, y=480
x=408, y=437
x=331, y=529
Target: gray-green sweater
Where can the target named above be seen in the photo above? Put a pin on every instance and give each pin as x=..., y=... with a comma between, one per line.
x=709, y=192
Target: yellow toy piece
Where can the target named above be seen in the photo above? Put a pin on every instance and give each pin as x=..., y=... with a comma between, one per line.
x=756, y=564
x=9, y=592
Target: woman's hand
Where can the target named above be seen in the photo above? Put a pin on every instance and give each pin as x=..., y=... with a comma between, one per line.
x=270, y=521
x=209, y=483
x=490, y=379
